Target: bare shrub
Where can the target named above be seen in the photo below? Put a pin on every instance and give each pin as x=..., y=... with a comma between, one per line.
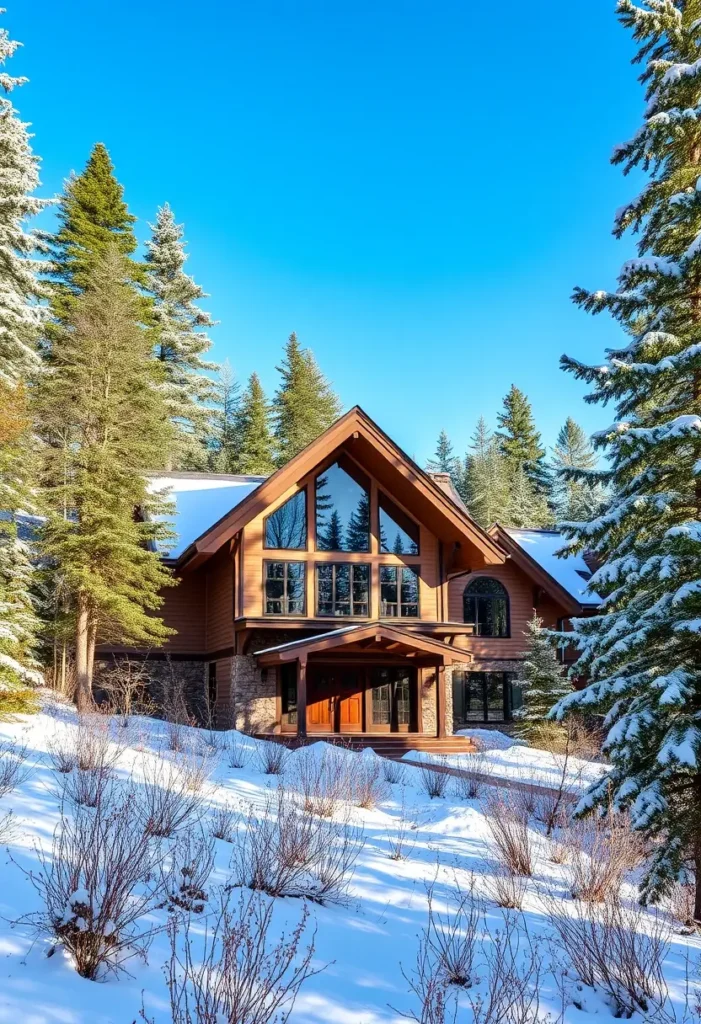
x=13, y=767
x=8, y=828
x=470, y=782
x=242, y=976
x=194, y=772
x=211, y=743
x=451, y=935
x=514, y=968
x=602, y=850
x=192, y=860
x=434, y=783
x=86, y=788
x=368, y=782
x=168, y=803
x=394, y=772
x=271, y=757
x=63, y=752
x=176, y=738
x=324, y=778
x=126, y=684
x=95, y=749
x=173, y=697
x=223, y=823
x=431, y=990
x=238, y=752
x=508, y=825
x=400, y=839
x=559, y=852
x=619, y=948
x=288, y=851
x=99, y=882
x=506, y=888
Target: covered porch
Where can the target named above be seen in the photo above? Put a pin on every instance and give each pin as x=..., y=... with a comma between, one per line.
x=366, y=680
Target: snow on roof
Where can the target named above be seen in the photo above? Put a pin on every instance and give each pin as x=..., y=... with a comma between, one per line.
x=201, y=500
x=570, y=572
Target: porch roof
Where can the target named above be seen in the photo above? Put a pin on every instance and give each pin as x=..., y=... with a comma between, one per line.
x=369, y=637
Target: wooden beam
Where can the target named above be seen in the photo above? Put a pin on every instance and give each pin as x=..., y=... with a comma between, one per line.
x=302, y=698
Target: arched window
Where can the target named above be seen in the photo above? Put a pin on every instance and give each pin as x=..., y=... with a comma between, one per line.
x=486, y=603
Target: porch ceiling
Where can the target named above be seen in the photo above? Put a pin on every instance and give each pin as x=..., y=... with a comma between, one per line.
x=370, y=638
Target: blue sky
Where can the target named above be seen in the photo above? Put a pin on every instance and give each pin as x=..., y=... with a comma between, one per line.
x=413, y=187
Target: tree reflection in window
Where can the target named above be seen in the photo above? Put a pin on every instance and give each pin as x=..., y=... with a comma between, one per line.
x=399, y=535
x=486, y=603
x=286, y=527
x=342, y=510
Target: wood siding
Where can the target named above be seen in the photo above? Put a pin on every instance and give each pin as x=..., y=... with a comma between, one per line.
x=184, y=609
x=219, y=571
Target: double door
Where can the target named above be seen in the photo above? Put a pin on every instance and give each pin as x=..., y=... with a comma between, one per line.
x=335, y=700
x=361, y=699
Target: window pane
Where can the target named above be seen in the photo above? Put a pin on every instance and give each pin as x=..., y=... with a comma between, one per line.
x=486, y=603
x=403, y=698
x=495, y=696
x=475, y=684
x=288, y=681
x=388, y=590
x=399, y=534
x=286, y=527
x=342, y=512
x=284, y=588
x=410, y=592
x=360, y=589
x=381, y=705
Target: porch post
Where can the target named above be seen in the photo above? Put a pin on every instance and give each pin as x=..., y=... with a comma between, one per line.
x=440, y=700
x=302, y=697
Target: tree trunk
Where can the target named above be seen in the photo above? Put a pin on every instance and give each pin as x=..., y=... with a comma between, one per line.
x=697, y=850
x=92, y=631
x=83, y=680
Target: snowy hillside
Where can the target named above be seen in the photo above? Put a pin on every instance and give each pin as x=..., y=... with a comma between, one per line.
x=363, y=875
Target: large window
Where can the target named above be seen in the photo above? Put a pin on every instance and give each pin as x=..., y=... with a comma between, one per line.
x=486, y=604
x=399, y=591
x=399, y=535
x=342, y=509
x=286, y=527
x=284, y=588
x=391, y=697
x=484, y=697
x=342, y=589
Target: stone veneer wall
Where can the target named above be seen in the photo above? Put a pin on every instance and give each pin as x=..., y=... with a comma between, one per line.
x=163, y=674
x=253, y=696
x=427, y=688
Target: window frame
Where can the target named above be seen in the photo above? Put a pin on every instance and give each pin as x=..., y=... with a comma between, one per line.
x=507, y=682
x=490, y=598
x=285, y=562
x=334, y=566
x=411, y=567
x=303, y=547
x=365, y=486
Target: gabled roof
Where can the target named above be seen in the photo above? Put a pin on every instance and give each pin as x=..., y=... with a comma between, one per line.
x=403, y=478
x=372, y=636
x=535, y=552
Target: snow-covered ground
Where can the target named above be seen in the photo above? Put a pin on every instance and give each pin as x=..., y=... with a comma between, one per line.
x=510, y=759
x=366, y=943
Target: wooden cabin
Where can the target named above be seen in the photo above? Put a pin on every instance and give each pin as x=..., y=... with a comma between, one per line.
x=351, y=594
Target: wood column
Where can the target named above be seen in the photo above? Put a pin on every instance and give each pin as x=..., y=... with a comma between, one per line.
x=302, y=697
x=440, y=700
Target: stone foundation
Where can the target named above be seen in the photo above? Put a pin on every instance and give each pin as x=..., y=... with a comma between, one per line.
x=427, y=695
x=177, y=687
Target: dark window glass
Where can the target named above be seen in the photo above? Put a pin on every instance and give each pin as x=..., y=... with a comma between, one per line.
x=399, y=535
x=288, y=681
x=486, y=603
x=399, y=591
x=286, y=527
x=284, y=588
x=403, y=697
x=391, y=697
x=342, y=510
x=342, y=589
x=381, y=707
x=482, y=697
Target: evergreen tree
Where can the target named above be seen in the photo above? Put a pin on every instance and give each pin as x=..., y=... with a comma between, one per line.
x=102, y=424
x=223, y=445
x=542, y=678
x=255, y=437
x=93, y=219
x=520, y=441
x=304, y=404
x=331, y=538
x=642, y=653
x=358, y=532
x=486, y=487
x=445, y=460
x=180, y=341
x=526, y=507
x=574, y=496
x=20, y=319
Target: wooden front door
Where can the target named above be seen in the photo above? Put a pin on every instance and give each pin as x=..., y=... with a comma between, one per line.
x=335, y=700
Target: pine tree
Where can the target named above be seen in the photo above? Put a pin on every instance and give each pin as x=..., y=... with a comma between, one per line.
x=445, y=460
x=486, y=487
x=541, y=678
x=526, y=507
x=102, y=423
x=180, y=341
x=21, y=317
x=358, y=532
x=93, y=219
x=304, y=404
x=255, y=438
x=331, y=538
x=574, y=497
x=223, y=448
x=520, y=441
x=642, y=653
